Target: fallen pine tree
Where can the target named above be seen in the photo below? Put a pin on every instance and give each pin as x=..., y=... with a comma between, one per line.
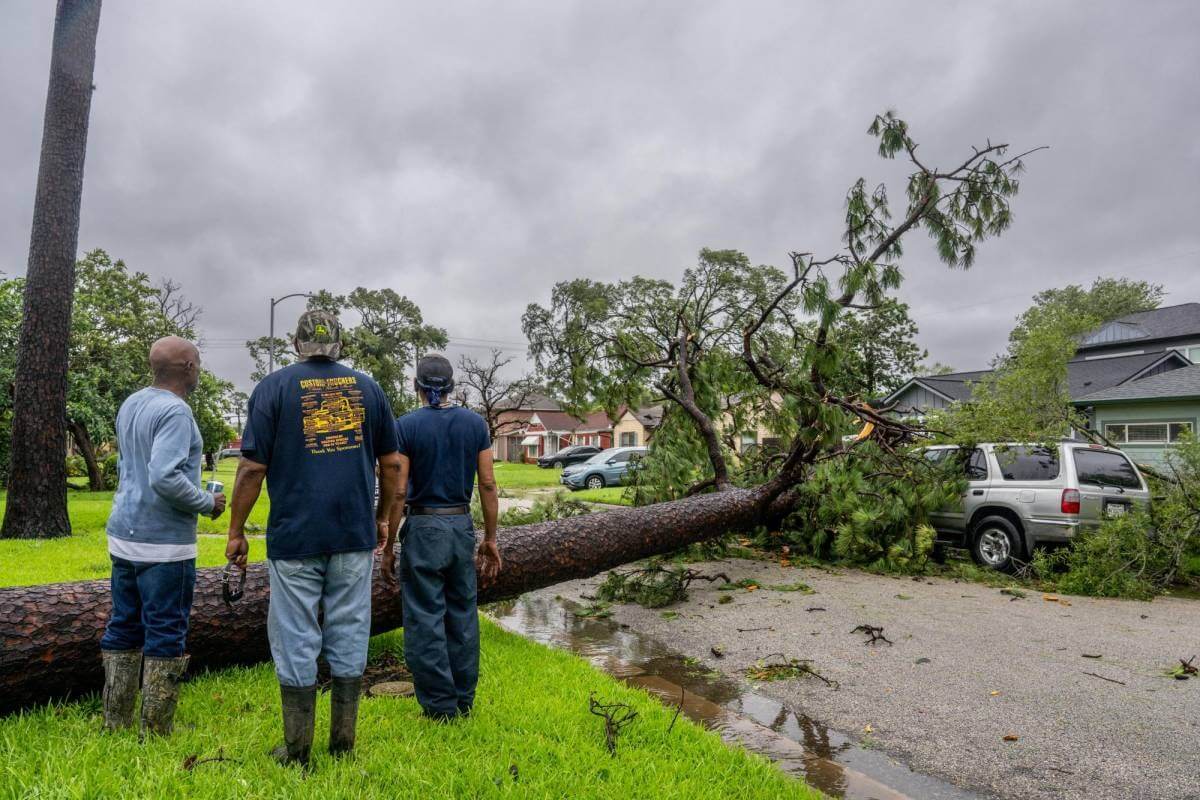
x=50, y=634
x=728, y=331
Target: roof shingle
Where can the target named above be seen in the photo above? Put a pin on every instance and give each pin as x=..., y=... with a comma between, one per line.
x=1178, y=383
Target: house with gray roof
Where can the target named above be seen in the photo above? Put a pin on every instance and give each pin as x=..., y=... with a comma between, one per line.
x=1134, y=373
x=1146, y=417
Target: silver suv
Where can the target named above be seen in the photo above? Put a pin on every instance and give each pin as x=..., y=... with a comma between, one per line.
x=1019, y=496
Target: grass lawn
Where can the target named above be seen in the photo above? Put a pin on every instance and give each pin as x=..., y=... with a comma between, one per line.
x=612, y=495
x=524, y=476
x=531, y=736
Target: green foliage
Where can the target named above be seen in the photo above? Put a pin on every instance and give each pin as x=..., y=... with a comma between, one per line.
x=209, y=404
x=1107, y=299
x=879, y=350
x=1027, y=397
x=108, y=471
x=1141, y=554
x=655, y=585
x=76, y=467
x=871, y=509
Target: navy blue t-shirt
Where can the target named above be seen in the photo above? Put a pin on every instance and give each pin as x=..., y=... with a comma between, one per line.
x=319, y=428
x=443, y=446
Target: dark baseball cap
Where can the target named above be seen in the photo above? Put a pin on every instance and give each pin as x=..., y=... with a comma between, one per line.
x=318, y=333
x=434, y=372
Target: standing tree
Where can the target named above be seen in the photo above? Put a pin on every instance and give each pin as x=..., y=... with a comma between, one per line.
x=37, y=496
x=880, y=349
x=1107, y=299
x=490, y=393
x=607, y=344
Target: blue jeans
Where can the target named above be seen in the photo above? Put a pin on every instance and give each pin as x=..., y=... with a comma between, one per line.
x=337, y=586
x=151, y=603
x=441, y=623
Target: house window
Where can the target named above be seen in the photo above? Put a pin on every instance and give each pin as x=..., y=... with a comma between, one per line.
x=749, y=440
x=629, y=439
x=1147, y=432
x=1193, y=355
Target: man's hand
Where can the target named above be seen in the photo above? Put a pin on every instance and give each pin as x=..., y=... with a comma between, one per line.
x=237, y=549
x=487, y=560
x=218, y=505
x=387, y=568
x=381, y=535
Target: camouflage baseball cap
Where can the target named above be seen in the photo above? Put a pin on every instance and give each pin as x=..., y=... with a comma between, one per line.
x=318, y=333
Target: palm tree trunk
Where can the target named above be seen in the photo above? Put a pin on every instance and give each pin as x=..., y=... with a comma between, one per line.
x=37, y=490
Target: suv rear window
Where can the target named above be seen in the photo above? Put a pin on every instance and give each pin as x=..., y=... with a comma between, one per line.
x=1027, y=463
x=1101, y=468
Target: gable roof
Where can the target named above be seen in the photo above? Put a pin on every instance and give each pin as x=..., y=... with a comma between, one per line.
x=1170, y=322
x=647, y=416
x=1178, y=383
x=562, y=422
x=1083, y=377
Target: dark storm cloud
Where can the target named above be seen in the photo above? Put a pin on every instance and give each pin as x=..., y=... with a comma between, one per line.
x=469, y=155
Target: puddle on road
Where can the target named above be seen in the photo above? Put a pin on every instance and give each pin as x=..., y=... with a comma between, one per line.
x=828, y=760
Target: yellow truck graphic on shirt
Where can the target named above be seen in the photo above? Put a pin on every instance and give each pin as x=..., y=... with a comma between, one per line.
x=334, y=414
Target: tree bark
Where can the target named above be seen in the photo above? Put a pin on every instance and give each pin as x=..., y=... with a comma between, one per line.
x=37, y=494
x=88, y=450
x=50, y=635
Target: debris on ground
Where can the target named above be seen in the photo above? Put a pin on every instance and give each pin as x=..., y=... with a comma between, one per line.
x=1011, y=737
x=1015, y=594
x=875, y=632
x=616, y=716
x=798, y=586
x=653, y=586
x=749, y=584
x=1101, y=677
x=783, y=668
x=1185, y=669
x=598, y=610
x=1092, y=655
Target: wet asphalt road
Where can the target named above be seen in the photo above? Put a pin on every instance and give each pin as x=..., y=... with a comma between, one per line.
x=969, y=666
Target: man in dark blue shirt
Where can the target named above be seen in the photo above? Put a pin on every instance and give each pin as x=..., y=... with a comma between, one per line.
x=316, y=431
x=442, y=448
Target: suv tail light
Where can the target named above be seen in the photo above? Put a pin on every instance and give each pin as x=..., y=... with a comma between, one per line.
x=1070, y=501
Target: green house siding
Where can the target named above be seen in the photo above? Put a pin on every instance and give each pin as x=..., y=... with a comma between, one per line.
x=1147, y=411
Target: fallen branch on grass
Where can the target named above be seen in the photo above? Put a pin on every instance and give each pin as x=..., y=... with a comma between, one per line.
x=616, y=716
x=654, y=585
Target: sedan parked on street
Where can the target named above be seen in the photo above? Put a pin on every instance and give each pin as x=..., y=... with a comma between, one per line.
x=568, y=455
x=609, y=467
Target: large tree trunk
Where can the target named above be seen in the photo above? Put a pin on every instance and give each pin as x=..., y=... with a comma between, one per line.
x=88, y=450
x=50, y=635
x=37, y=493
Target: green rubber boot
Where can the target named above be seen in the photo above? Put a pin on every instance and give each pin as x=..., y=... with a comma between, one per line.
x=299, y=717
x=343, y=713
x=122, y=676
x=160, y=694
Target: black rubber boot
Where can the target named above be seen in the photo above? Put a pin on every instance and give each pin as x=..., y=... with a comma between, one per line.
x=122, y=677
x=160, y=694
x=343, y=713
x=299, y=717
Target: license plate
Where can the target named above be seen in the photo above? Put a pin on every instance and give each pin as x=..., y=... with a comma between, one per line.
x=1114, y=510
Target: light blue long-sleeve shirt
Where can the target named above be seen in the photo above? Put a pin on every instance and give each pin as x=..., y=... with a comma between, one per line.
x=158, y=494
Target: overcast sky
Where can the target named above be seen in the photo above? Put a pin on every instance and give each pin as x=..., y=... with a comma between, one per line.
x=469, y=155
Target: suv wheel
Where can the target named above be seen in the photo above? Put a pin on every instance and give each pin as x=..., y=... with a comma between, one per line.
x=557, y=465
x=595, y=482
x=996, y=543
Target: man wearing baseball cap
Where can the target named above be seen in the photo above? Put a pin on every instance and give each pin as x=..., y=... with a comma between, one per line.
x=316, y=431
x=442, y=449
